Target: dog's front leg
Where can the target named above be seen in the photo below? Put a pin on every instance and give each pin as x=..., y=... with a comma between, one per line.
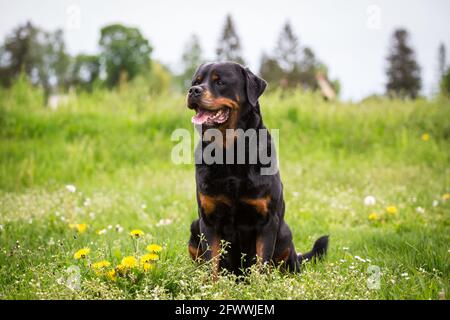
x=265, y=241
x=212, y=250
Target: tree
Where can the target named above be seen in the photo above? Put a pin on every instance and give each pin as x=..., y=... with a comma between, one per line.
x=125, y=53
x=84, y=71
x=229, y=48
x=445, y=83
x=442, y=56
x=309, y=67
x=403, y=72
x=271, y=71
x=191, y=59
x=38, y=54
x=287, y=51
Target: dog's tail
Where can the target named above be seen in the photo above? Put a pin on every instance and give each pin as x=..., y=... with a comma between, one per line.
x=318, y=251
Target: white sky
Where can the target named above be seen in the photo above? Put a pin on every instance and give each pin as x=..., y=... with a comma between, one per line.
x=345, y=34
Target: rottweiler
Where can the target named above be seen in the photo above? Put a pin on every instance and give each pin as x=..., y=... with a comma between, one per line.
x=241, y=211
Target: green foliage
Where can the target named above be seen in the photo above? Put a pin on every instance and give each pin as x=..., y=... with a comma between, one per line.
x=445, y=83
x=39, y=54
x=125, y=53
x=85, y=70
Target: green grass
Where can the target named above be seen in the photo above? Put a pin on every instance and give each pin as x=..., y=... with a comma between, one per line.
x=115, y=148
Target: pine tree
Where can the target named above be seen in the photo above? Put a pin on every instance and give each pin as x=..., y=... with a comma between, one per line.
x=442, y=56
x=191, y=59
x=229, y=48
x=403, y=72
x=287, y=51
x=271, y=71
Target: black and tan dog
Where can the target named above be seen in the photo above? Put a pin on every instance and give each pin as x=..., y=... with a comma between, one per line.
x=236, y=203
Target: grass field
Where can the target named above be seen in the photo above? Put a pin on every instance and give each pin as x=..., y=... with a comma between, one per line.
x=114, y=148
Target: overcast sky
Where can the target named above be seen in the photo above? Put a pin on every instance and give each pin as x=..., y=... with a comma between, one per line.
x=350, y=36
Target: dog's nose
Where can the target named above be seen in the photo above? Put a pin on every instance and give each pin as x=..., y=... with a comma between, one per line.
x=195, y=91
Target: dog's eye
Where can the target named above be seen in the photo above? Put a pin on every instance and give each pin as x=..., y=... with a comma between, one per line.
x=220, y=83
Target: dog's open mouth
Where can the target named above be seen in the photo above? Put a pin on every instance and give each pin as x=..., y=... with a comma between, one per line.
x=208, y=117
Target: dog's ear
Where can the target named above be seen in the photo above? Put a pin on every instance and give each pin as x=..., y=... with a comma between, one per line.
x=255, y=86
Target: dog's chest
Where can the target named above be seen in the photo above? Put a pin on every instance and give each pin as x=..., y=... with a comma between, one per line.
x=232, y=183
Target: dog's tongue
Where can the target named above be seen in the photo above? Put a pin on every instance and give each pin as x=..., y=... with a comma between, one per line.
x=210, y=117
x=202, y=116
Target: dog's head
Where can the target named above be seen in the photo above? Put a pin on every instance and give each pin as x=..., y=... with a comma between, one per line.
x=223, y=92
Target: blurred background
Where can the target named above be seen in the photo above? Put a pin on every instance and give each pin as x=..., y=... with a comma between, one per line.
x=351, y=49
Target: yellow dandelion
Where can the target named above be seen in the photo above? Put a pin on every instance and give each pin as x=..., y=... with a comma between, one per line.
x=100, y=265
x=111, y=275
x=147, y=266
x=391, y=210
x=79, y=227
x=136, y=233
x=82, y=253
x=154, y=247
x=373, y=216
x=149, y=257
x=446, y=196
x=121, y=269
x=425, y=137
x=129, y=262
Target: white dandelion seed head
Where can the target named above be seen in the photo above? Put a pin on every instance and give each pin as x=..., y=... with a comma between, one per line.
x=370, y=201
x=71, y=188
x=435, y=203
x=164, y=222
x=420, y=210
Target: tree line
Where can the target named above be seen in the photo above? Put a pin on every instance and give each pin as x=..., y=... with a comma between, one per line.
x=124, y=54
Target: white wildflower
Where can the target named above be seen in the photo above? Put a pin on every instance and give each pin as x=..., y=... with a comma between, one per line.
x=87, y=202
x=420, y=210
x=71, y=188
x=164, y=222
x=370, y=201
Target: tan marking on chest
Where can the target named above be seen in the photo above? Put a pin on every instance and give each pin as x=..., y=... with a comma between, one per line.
x=209, y=203
x=261, y=205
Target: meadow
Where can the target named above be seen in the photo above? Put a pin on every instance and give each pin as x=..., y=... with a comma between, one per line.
x=96, y=174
